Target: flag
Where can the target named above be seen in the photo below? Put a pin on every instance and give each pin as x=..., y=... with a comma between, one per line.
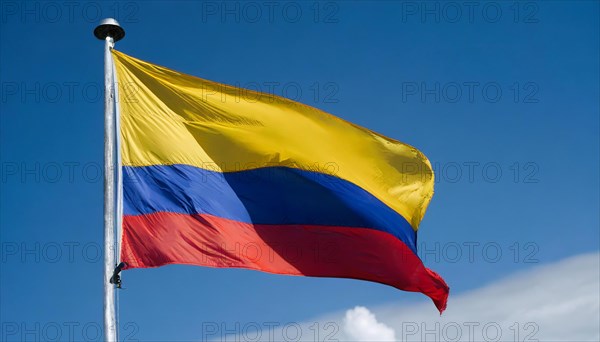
x=220, y=176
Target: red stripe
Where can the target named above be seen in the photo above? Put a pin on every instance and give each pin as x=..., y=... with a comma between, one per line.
x=163, y=238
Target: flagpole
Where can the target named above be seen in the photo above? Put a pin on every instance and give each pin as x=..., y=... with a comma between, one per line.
x=109, y=31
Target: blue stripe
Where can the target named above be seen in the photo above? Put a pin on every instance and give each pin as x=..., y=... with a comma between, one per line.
x=271, y=195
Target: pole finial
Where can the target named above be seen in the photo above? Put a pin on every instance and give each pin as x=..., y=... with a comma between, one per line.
x=109, y=27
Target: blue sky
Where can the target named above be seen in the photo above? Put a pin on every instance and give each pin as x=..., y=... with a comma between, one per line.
x=501, y=96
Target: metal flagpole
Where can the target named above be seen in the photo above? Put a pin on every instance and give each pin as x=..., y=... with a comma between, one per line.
x=109, y=31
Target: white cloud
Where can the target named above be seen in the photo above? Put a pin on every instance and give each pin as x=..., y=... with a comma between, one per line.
x=555, y=302
x=361, y=325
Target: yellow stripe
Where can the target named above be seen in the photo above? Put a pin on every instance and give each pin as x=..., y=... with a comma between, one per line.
x=171, y=118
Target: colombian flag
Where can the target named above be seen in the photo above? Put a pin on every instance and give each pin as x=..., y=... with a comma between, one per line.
x=220, y=176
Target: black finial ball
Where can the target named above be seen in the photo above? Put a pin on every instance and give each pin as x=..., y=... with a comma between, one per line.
x=109, y=28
